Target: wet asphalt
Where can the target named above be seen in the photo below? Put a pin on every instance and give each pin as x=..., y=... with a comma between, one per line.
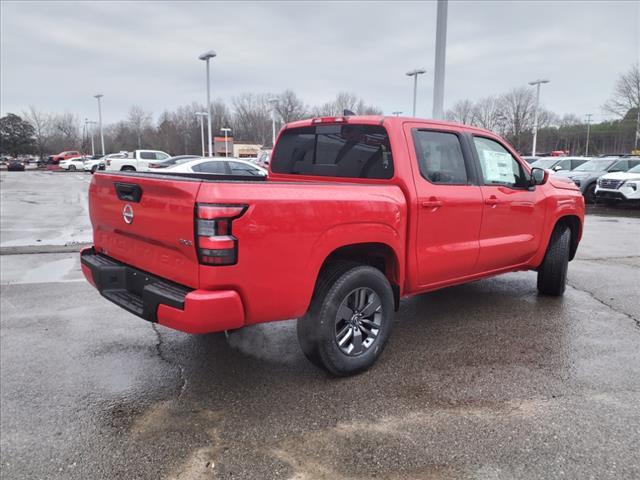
x=487, y=381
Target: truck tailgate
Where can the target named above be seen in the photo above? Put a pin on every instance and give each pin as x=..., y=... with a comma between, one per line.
x=147, y=223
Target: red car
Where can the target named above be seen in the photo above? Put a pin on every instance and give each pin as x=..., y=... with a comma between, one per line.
x=64, y=156
x=357, y=213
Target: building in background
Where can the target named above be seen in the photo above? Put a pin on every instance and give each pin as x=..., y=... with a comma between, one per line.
x=219, y=149
x=246, y=150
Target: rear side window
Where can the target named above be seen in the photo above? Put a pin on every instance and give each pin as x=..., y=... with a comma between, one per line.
x=347, y=151
x=238, y=168
x=147, y=155
x=214, y=166
x=440, y=157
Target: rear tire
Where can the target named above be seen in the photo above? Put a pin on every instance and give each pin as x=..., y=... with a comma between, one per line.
x=552, y=274
x=349, y=320
x=93, y=169
x=72, y=168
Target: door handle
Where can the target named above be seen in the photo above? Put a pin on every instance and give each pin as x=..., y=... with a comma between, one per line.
x=492, y=200
x=433, y=202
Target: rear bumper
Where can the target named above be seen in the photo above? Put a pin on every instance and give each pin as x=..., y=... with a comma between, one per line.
x=158, y=300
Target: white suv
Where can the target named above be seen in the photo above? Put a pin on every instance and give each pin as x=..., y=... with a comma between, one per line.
x=619, y=186
x=136, y=161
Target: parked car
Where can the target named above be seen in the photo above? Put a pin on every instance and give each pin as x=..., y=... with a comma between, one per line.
x=138, y=160
x=64, y=156
x=529, y=159
x=220, y=165
x=357, y=213
x=586, y=175
x=72, y=164
x=557, y=164
x=619, y=186
x=16, y=165
x=171, y=161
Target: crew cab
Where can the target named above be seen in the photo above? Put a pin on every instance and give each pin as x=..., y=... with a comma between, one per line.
x=136, y=161
x=357, y=213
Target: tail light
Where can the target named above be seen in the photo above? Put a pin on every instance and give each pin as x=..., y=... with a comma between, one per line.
x=155, y=165
x=329, y=120
x=215, y=242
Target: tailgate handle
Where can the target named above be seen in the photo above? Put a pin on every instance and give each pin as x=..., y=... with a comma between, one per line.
x=130, y=192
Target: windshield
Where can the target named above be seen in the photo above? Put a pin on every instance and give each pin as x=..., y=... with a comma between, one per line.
x=635, y=169
x=594, y=166
x=545, y=163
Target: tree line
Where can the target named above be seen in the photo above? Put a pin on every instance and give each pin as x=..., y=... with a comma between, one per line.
x=250, y=115
x=177, y=132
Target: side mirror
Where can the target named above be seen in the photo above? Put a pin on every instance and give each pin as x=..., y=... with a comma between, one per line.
x=557, y=168
x=538, y=176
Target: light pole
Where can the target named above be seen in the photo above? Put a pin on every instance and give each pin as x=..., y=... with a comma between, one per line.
x=441, y=51
x=273, y=102
x=201, y=116
x=414, y=74
x=99, y=96
x=90, y=123
x=206, y=56
x=537, y=83
x=586, y=148
x=226, y=145
x=397, y=113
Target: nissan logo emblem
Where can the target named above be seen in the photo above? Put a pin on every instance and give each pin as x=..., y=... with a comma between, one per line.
x=127, y=213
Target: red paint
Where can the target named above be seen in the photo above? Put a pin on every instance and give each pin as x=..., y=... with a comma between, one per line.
x=435, y=235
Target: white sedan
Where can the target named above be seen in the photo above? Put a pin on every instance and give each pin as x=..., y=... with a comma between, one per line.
x=72, y=164
x=220, y=166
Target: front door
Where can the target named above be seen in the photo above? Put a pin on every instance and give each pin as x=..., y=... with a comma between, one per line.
x=449, y=206
x=513, y=213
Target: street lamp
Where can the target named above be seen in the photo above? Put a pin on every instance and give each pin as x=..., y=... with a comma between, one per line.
x=441, y=53
x=414, y=74
x=206, y=56
x=586, y=148
x=397, y=113
x=273, y=102
x=99, y=96
x=537, y=83
x=90, y=122
x=226, y=145
x=201, y=115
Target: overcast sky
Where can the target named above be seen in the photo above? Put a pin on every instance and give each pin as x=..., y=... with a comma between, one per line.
x=56, y=55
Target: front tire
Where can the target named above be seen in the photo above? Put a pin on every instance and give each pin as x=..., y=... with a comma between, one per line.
x=349, y=320
x=552, y=274
x=590, y=194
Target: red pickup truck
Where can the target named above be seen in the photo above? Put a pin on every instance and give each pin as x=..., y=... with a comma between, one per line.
x=357, y=212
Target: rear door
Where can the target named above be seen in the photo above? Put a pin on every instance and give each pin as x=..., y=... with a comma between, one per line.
x=513, y=212
x=147, y=223
x=449, y=205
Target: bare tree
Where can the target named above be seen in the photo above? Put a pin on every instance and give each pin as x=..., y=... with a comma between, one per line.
x=488, y=113
x=345, y=101
x=139, y=120
x=463, y=111
x=626, y=93
x=41, y=123
x=252, y=118
x=517, y=111
x=66, y=131
x=289, y=107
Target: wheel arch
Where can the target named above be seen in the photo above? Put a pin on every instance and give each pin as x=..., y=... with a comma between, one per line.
x=575, y=226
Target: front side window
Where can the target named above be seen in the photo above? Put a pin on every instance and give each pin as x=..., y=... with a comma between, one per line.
x=498, y=165
x=161, y=156
x=347, y=151
x=238, y=168
x=563, y=165
x=440, y=157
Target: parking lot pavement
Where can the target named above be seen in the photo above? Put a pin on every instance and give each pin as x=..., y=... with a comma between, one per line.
x=44, y=208
x=486, y=380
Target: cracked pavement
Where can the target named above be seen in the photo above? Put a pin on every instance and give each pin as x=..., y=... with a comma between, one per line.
x=483, y=381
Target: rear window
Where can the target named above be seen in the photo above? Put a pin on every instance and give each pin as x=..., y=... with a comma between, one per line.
x=347, y=151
